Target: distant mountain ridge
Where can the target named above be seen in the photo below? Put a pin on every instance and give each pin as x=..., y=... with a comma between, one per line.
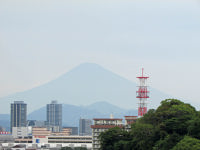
x=83, y=85
x=5, y=121
x=71, y=113
x=105, y=108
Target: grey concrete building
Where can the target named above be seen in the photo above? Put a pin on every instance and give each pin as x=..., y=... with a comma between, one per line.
x=54, y=115
x=74, y=130
x=18, y=113
x=85, y=127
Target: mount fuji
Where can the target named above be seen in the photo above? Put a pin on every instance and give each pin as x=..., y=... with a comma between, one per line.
x=86, y=84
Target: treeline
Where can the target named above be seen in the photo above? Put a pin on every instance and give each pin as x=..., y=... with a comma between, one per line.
x=174, y=125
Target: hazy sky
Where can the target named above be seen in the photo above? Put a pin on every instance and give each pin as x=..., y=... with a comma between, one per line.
x=40, y=40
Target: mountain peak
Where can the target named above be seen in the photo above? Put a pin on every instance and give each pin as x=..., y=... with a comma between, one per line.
x=88, y=67
x=89, y=64
x=83, y=85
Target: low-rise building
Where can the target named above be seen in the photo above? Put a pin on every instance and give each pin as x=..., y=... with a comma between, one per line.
x=40, y=135
x=6, y=138
x=70, y=139
x=65, y=132
x=101, y=125
x=21, y=132
x=24, y=140
x=128, y=121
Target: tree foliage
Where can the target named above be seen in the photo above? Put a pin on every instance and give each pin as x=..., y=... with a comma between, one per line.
x=170, y=126
x=113, y=138
x=188, y=143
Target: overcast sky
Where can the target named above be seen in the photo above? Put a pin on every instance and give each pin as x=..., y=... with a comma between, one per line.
x=41, y=40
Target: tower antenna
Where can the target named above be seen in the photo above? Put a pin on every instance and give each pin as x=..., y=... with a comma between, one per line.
x=142, y=94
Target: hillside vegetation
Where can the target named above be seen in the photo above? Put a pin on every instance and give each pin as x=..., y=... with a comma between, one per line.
x=174, y=125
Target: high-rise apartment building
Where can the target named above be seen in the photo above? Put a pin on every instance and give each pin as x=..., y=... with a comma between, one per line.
x=54, y=115
x=85, y=127
x=18, y=114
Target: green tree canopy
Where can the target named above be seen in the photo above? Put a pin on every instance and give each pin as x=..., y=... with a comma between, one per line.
x=188, y=143
x=160, y=129
x=109, y=138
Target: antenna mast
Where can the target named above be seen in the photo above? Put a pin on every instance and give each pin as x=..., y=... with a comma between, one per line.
x=142, y=94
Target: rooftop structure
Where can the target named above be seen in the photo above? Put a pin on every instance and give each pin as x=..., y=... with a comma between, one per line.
x=130, y=119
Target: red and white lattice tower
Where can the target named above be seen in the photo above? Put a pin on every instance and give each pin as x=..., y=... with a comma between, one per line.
x=142, y=95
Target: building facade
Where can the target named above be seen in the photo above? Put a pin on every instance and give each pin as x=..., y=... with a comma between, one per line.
x=85, y=127
x=18, y=113
x=54, y=116
x=101, y=125
x=128, y=121
x=74, y=130
x=21, y=132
